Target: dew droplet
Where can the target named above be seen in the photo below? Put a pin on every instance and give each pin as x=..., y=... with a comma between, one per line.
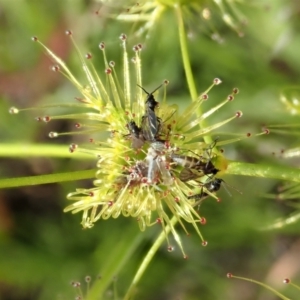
x=68, y=32
x=267, y=131
x=76, y=284
x=53, y=134
x=286, y=280
x=55, y=68
x=108, y=71
x=166, y=82
x=140, y=46
x=123, y=37
x=112, y=64
x=170, y=248
x=72, y=147
x=238, y=114
x=219, y=200
x=88, y=56
x=91, y=194
x=185, y=257
x=204, y=243
x=235, y=91
x=39, y=119
x=230, y=98
x=77, y=125
x=203, y=221
x=204, y=96
x=229, y=275
x=248, y=134
x=135, y=48
x=176, y=199
x=158, y=220
x=102, y=46
x=46, y=119
x=217, y=81
x=34, y=39
x=13, y=111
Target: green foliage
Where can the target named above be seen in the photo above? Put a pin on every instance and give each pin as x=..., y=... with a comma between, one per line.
x=43, y=249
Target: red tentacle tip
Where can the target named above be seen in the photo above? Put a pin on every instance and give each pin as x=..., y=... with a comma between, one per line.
x=217, y=81
x=203, y=221
x=170, y=248
x=204, y=96
x=68, y=32
x=286, y=280
x=204, y=243
x=238, y=114
x=123, y=37
x=101, y=46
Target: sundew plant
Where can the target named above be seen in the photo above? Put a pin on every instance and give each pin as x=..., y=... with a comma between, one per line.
x=150, y=150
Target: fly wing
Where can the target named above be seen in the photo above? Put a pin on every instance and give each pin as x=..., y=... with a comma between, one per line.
x=150, y=125
x=137, y=143
x=187, y=174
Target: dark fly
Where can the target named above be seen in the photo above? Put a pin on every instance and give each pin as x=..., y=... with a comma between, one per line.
x=211, y=186
x=193, y=167
x=151, y=124
x=136, y=135
x=151, y=103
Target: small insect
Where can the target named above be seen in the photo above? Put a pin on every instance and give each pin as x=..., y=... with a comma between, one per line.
x=136, y=135
x=134, y=175
x=193, y=167
x=151, y=124
x=211, y=186
x=151, y=103
x=158, y=168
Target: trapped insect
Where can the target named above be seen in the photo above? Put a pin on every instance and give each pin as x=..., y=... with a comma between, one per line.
x=211, y=186
x=151, y=124
x=193, y=167
x=136, y=135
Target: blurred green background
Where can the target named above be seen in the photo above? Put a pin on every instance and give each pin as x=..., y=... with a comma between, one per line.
x=42, y=249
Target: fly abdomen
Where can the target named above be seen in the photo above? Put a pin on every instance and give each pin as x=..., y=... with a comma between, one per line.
x=211, y=186
x=136, y=135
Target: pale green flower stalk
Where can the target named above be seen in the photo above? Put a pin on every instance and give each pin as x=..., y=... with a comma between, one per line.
x=124, y=183
x=290, y=98
x=272, y=290
x=207, y=12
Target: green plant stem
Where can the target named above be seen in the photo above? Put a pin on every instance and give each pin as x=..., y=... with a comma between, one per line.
x=281, y=296
x=49, y=178
x=44, y=150
x=187, y=67
x=127, y=243
x=147, y=259
x=263, y=170
x=185, y=55
x=234, y=168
